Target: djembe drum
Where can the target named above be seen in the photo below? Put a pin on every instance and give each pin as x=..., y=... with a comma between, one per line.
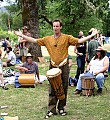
x=27, y=79
x=54, y=77
x=87, y=85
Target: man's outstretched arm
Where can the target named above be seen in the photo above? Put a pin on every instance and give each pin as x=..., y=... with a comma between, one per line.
x=84, y=39
x=29, y=39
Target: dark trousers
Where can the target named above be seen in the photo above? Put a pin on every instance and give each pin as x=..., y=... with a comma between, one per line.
x=80, y=65
x=53, y=100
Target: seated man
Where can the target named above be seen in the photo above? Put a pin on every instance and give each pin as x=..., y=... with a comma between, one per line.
x=11, y=60
x=29, y=67
x=1, y=75
x=97, y=66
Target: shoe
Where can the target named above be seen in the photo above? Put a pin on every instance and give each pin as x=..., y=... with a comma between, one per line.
x=49, y=114
x=72, y=85
x=5, y=88
x=2, y=107
x=62, y=112
x=77, y=91
x=5, y=83
x=99, y=90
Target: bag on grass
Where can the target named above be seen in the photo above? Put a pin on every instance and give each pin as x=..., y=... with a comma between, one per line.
x=73, y=80
x=8, y=73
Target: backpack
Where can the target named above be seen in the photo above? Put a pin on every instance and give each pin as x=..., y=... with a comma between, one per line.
x=4, y=44
x=73, y=80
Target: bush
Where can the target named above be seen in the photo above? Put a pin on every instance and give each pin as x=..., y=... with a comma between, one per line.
x=4, y=34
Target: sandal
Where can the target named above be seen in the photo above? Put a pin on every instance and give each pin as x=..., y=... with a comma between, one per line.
x=62, y=112
x=5, y=88
x=49, y=114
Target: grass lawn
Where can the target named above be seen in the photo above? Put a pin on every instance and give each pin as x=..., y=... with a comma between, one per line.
x=31, y=103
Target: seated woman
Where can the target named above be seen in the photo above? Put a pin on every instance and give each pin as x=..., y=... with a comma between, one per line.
x=97, y=66
x=29, y=67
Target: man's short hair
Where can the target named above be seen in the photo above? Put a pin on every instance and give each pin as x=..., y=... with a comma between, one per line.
x=90, y=34
x=58, y=20
x=7, y=38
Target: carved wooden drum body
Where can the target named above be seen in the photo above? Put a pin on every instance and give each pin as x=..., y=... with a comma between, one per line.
x=54, y=77
x=87, y=85
x=27, y=79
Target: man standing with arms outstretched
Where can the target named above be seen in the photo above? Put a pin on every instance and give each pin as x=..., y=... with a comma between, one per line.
x=57, y=46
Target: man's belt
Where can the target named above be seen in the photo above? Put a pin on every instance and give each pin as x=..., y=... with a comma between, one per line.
x=61, y=64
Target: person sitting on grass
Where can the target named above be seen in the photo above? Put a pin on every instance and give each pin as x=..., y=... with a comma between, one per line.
x=1, y=75
x=11, y=60
x=29, y=67
x=97, y=66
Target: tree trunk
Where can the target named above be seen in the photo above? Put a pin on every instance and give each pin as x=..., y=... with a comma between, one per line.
x=30, y=19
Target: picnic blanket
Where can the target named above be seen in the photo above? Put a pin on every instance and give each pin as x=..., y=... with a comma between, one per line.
x=14, y=80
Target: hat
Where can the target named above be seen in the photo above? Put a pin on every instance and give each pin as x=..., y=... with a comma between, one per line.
x=101, y=49
x=29, y=55
x=25, y=27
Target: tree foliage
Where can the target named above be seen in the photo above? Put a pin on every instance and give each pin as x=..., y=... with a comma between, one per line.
x=17, y=21
x=76, y=15
x=4, y=21
x=11, y=16
x=106, y=24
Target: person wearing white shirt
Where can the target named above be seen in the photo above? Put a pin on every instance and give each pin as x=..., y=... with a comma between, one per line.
x=97, y=66
x=11, y=60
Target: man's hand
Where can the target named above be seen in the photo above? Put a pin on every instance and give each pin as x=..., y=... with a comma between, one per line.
x=25, y=69
x=18, y=33
x=96, y=73
x=86, y=70
x=95, y=32
x=29, y=39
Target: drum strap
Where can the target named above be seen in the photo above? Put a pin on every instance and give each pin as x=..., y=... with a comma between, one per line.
x=61, y=64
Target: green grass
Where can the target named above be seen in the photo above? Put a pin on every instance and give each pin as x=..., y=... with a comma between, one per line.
x=31, y=103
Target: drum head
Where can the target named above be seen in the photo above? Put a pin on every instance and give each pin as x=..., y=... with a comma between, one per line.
x=87, y=76
x=53, y=72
